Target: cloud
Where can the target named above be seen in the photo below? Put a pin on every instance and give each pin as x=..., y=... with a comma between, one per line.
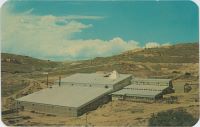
x=94, y=48
x=152, y=45
x=155, y=45
x=76, y=17
x=49, y=37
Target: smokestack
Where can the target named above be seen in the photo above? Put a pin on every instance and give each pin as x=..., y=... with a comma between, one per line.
x=59, y=80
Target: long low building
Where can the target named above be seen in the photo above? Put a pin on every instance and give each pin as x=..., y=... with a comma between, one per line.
x=136, y=95
x=150, y=81
x=146, y=87
x=65, y=100
x=144, y=90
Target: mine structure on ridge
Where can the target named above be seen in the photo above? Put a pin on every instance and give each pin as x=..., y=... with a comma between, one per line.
x=83, y=92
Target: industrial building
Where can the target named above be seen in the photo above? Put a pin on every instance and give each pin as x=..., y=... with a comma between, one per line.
x=146, y=87
x=165, y=85
x=83, y=92
x=75, y=95
x=144, y=90
x=65, y=100
x=150, y=81
x=105, y=80
x=137, y=95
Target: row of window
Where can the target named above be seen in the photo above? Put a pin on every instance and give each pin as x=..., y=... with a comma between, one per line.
x=151, y=84
x=144, y=89
x=132, y=97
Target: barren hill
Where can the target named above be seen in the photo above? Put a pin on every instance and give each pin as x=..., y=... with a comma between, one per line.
x=180, y=53
x=23, y=64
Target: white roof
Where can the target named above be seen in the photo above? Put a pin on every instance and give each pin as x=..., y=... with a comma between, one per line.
x=94, y=78
x=146, y=87
x=151, y=80
x=71, y=96
x=137, y=93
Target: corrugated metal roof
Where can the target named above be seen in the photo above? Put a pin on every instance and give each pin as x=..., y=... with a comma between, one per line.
x=93, y=78
x=71, y=96
x=151, y=80
x=137, y=93
x=146, y=87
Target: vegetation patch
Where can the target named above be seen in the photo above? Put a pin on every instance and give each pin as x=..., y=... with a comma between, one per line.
x=172, y=118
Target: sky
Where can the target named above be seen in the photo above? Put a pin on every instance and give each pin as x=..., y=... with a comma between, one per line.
x=76, y=30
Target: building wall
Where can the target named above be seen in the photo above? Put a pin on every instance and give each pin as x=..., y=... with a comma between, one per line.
x=136, y=99
x=156, y=83
x=46, y=108
x=122, y=83
x=94, y=105
x=87, y=85
x=117, y=97
x=139, y=99
x=62, y=110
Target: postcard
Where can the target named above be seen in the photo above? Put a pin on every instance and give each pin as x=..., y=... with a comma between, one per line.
x=99, y=63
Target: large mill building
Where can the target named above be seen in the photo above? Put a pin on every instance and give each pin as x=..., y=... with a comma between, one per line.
x=76, y=94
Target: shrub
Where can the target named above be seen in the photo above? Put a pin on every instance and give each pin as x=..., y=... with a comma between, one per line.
x=187, y=74
x=172, y=118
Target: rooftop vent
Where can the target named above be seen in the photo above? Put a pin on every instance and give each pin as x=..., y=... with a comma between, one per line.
x=114, y=75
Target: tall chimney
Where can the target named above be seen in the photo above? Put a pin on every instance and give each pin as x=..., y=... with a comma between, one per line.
x=59, y=80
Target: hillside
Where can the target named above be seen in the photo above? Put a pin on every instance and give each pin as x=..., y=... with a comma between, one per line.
x=23, y=64
x=180, y=53
x=17, y=71
x=166, y=62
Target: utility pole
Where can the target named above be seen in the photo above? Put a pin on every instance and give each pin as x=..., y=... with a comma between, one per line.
x=86, y=121
x=111, y=105
x=46, y=73
x=59, y=80
x=47, y=80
